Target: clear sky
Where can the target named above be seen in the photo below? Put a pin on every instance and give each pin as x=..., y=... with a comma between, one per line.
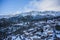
x=18, y=6
x=11, y=6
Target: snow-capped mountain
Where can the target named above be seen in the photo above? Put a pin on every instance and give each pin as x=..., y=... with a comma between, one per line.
x=6, y=16
x=34, y=13
x=38, y=15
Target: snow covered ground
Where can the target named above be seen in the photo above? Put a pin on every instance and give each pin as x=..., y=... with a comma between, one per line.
x=42, y=30
x=34, y=33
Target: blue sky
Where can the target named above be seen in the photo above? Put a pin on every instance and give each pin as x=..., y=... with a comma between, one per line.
x=18, y=6
x=10, y=6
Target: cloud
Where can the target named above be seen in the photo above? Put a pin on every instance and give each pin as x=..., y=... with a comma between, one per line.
x=42, y=5
x=50, y=5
